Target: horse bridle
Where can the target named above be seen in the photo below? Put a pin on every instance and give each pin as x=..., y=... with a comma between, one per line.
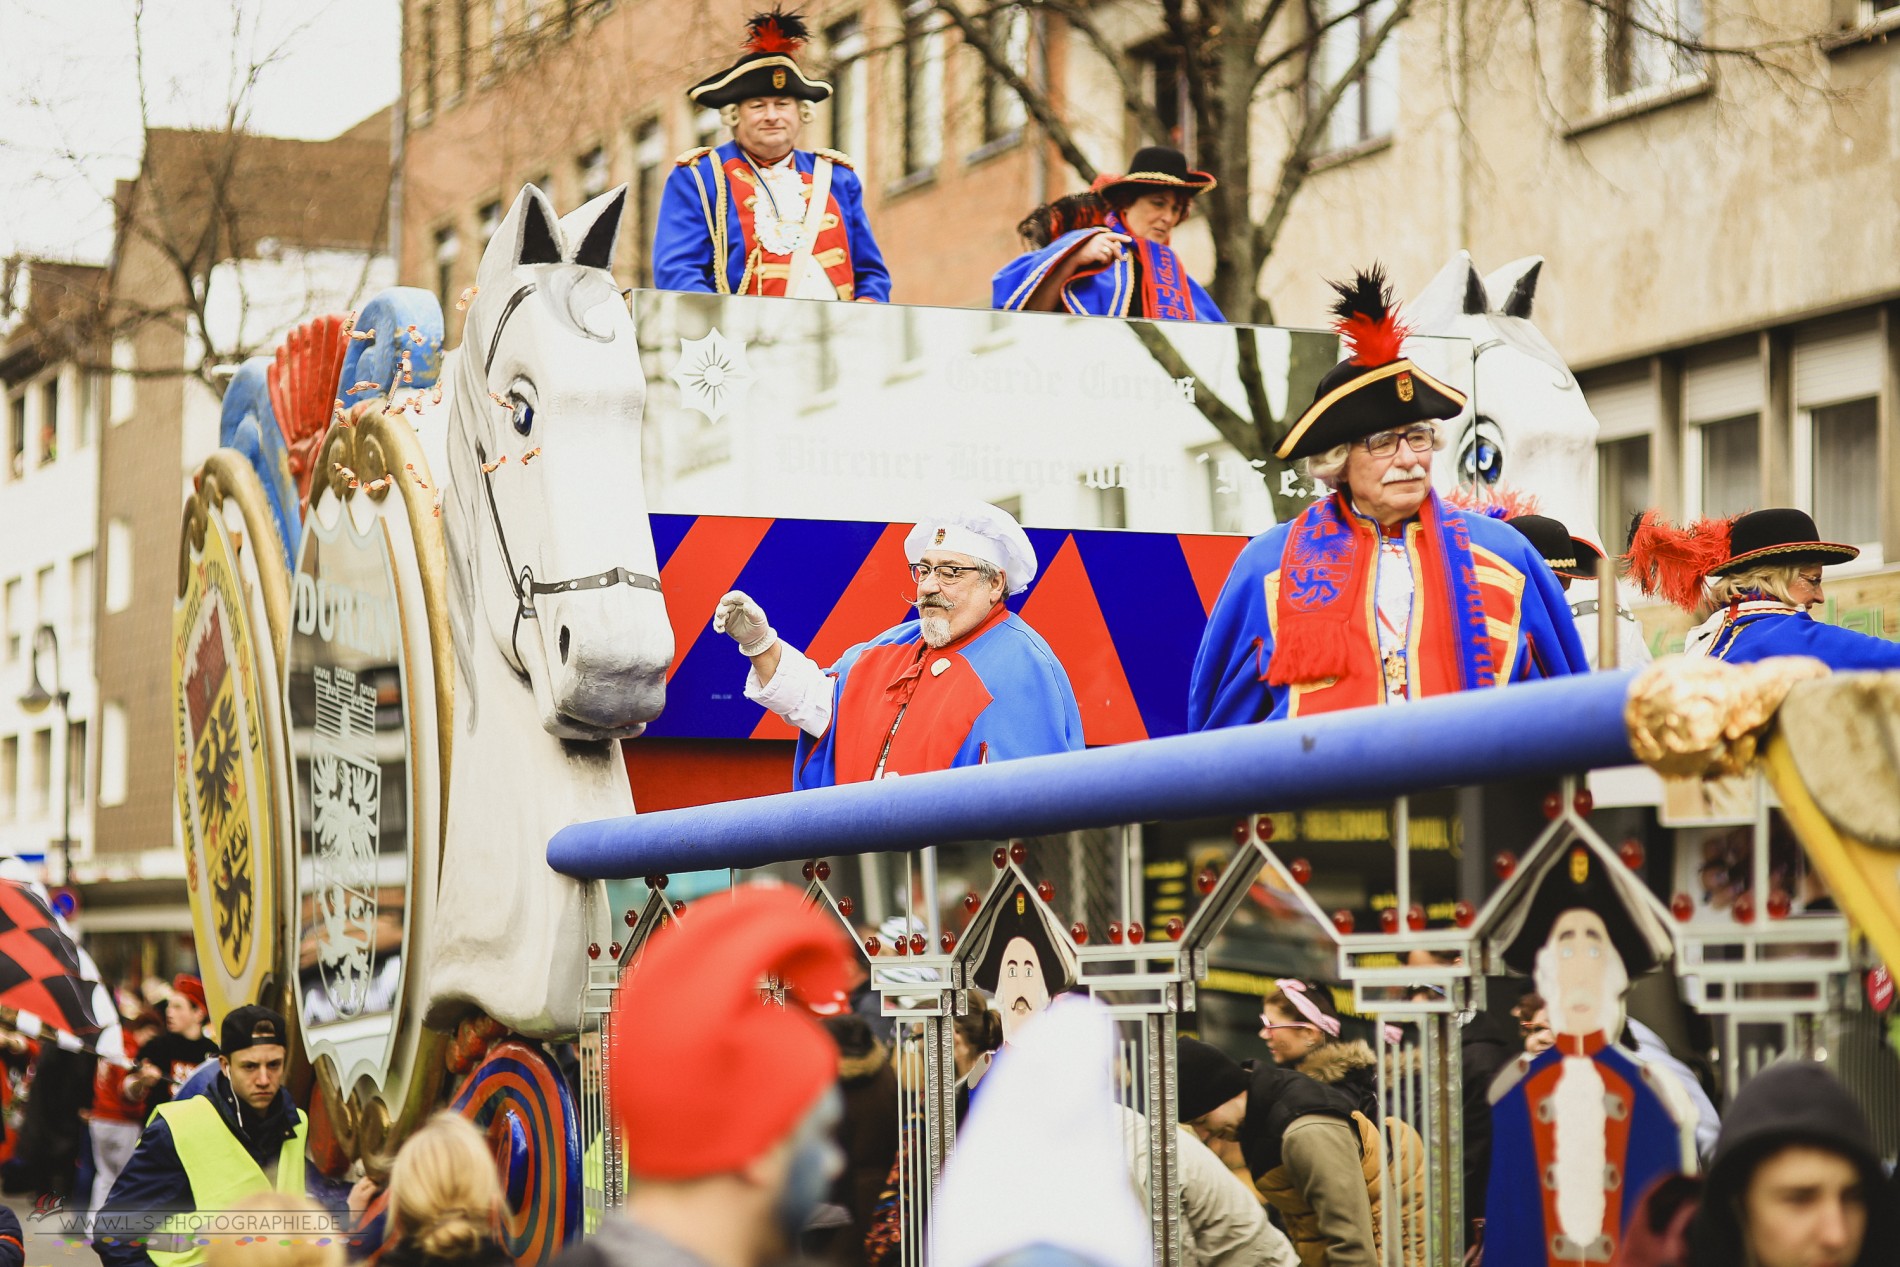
x=522, y=579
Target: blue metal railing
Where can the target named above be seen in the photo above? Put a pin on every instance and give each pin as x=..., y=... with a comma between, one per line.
x=1368, y=754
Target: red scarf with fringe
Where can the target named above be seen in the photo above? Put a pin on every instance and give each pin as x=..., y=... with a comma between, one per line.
x=1325, y=637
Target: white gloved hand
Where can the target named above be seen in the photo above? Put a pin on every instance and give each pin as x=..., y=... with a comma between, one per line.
x=743, y=621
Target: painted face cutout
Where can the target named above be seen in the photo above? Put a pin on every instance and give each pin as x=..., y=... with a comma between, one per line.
x=1021, y=988
x=1582, y=952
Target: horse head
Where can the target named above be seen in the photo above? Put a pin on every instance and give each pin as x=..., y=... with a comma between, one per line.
x=550, y=552
x=1528, y=429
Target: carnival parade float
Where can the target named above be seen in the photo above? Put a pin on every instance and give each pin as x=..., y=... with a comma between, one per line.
x=451, y=730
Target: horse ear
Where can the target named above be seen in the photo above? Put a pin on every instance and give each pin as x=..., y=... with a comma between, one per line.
x=1437, y=308
x=1517, y=282
x=595, y=227
x=540, y=240
x=1477, y=303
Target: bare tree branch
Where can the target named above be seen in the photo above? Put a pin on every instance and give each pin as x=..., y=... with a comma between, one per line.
x=1034, y=100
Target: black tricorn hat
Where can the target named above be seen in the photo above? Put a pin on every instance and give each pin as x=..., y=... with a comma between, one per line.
x=1576, y=877
x=1375, y=389
x=1156, y=167
x=1777, y=537
x=1022, y=916
x=767, y=68
x=1567, y=555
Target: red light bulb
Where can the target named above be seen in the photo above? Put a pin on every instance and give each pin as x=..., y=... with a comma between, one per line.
x=901, y=946
x=1744, y=908
x=1464, y=914
x=631, y=918
x=1079, y=933
x=1301, y=870
x=1206, y=880
x=824, y=869
x=1779, y=904
x=1240, y=832
x=1135, y=934
x=1018, y=852
x=1583, y=802
x=613, y=951
x=1263, y=827
x=948, y=941
x=679, y=908
x=1045, y=890
x=1115, y=932
x=971, y=901
x=1343, y=920
x=1682, y=906
x=1389, y=920
x=872, y=946
x=808, y=870
x=1505, y=865
x=1000, y=857
x=846, y=906
x=917, y=943
x=1553, y=805
x=1415, y=918
x=1632, y=853
x=1174, y=928
x=593, y=950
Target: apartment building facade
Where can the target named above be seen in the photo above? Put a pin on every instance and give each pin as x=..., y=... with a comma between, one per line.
x=52, y=359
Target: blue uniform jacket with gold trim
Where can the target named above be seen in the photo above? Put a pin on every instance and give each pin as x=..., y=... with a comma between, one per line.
x=1228, y=686
x=683, y=244
x=1750, y=636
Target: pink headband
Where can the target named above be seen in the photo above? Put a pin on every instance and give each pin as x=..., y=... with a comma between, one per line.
x=1295, y=991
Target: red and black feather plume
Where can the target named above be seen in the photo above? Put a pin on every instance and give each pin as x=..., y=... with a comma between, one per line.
x=1366, y=317
x=776, y=32
x=1673, y=563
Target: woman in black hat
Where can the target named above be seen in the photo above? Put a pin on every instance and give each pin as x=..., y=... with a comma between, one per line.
x=1760, y=573
x=1106, y=253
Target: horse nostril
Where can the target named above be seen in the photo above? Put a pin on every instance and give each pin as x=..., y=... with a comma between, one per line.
x=564, y=637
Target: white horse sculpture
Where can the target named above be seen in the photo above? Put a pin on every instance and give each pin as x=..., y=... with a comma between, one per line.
x=1528, y=428
x=561, y=636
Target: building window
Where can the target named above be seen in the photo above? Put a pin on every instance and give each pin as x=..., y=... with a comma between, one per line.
x=448, y=248
x=458, y=40
x=43, y=596
x=9, y=777
x=1730, y=465
x=1168, y=93
x=76, y=761
x=10, y=617
x=1844, y=466
x=86, y=420
x=923, y=89
x=118, y=565
x=706, y=127
x=650, y=168
x=1872, y=11
x=1648, y=44
x=592, y=170
x=848, y=95
x=1623, y=488
x=1111, y=503
x=1368, y=108
x=49, y=421
x=16, y=437
x=79, y=604
x=112, y=755
x=124, y=385
x=1003, y=112
x=431, y=63
x=42, y=800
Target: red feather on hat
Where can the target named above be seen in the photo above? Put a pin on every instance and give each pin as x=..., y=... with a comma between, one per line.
x=1671, y=562
x=1366, y=317
x=776, y=32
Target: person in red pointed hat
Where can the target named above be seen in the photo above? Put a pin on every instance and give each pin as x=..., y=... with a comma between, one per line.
x=1755, y=577
x=1380, y=592
x=758, y=215
x=727, y=1095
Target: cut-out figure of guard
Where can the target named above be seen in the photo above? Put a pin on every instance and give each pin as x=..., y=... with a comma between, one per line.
x=1580, y=1130
x=1025, y=964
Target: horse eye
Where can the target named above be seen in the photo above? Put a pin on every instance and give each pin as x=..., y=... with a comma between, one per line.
x=1482, y=460
x=524, y=416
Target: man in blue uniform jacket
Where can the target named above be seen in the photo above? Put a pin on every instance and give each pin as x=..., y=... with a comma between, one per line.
x=758, y=216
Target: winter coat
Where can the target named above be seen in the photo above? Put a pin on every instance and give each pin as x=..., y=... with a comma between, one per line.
x=1486, y=1045
x=1351, y=1067
x=867, y=1135
x=1305, y=1152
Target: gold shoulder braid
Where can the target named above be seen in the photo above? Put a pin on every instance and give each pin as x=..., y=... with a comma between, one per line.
x=842, y=160
x=692, y=156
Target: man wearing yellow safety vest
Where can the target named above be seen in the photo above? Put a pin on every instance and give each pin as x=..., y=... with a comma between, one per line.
x=200, y=1156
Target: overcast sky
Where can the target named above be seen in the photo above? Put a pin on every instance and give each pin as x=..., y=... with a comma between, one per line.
x=69, y=98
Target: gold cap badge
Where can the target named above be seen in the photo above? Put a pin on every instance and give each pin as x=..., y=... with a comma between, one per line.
x=938, y=539
x=778, y=78
x=1579, y=866
x=1406, y=391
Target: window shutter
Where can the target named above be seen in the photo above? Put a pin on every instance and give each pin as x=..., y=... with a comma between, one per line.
x=1842, y=363
x=1726, y=389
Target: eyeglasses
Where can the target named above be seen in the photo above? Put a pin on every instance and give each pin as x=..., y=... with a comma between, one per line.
x=1386, y=443
x=1813, y=580
x=1266, y=1026
x=947, y=573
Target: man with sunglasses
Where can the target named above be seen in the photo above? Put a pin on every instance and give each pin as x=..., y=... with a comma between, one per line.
x=1380, y=592
x=964, y=683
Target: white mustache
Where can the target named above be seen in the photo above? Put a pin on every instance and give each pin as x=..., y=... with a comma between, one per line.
x=1399, y=474
x=934, y=602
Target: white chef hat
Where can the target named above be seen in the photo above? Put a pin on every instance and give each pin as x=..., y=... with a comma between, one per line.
x=981, y=531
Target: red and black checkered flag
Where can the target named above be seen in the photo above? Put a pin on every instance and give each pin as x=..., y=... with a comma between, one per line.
x=48, y=979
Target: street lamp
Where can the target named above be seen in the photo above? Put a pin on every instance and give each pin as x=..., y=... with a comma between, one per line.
x=35, y=700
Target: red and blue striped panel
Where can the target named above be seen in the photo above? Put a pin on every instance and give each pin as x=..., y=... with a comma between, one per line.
x=1123, y=611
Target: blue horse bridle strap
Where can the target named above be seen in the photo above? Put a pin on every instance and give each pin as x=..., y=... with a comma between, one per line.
x=522, y=580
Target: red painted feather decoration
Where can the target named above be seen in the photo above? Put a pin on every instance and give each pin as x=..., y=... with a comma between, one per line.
x=776, y=32
x=1366, y=317
x=1672, y=563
